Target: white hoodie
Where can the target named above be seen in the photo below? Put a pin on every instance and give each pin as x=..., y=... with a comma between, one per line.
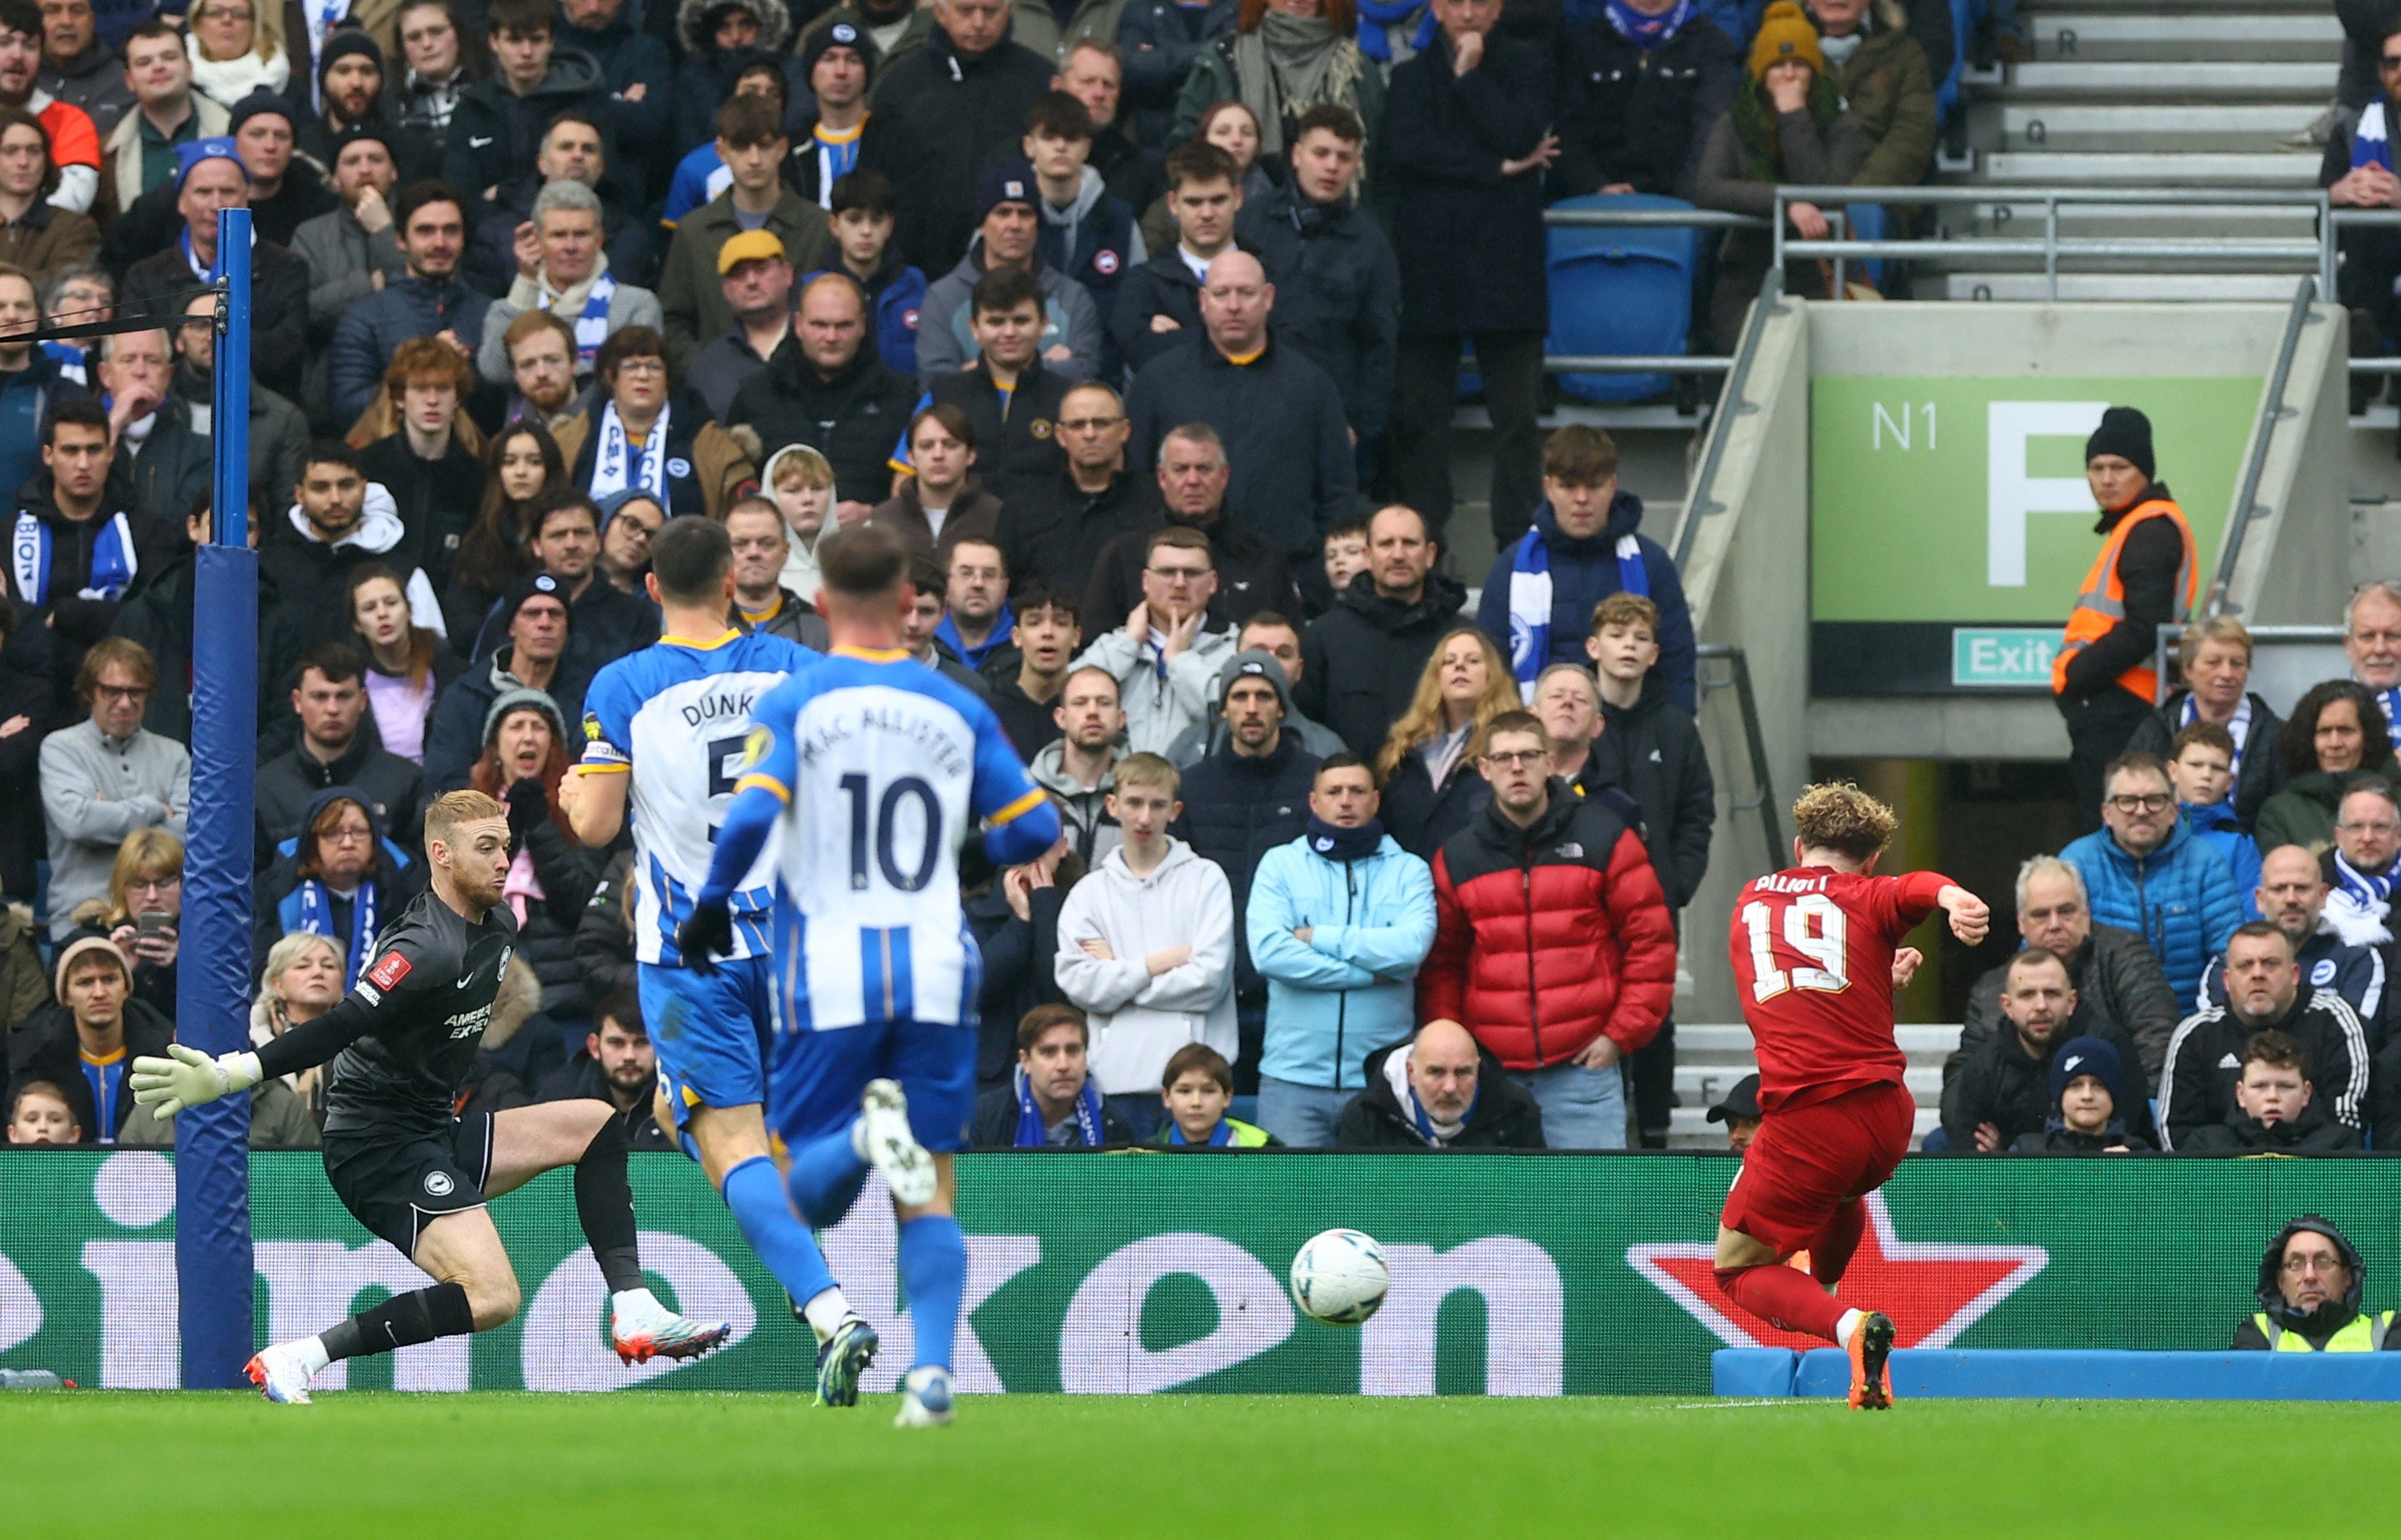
x=1138, y=1022
x=379, y=529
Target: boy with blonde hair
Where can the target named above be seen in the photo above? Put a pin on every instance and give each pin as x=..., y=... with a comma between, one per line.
x=801, y=480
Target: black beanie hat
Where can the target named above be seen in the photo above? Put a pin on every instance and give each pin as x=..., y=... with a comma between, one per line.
x=2125, y=432
x=343, y=44
x=841, y=35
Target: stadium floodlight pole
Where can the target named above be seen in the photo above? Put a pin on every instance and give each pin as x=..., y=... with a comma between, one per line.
x=213, y=1262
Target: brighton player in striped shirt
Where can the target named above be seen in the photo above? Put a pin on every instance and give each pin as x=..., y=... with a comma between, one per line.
x=664, y=730
x=1815, y=955
x=870, y=769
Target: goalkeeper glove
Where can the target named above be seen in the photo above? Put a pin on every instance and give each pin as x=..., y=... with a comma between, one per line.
x=708, y=934
x=190, y=1078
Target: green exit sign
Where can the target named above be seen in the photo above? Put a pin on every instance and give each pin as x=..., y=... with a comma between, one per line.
x=2002, y=657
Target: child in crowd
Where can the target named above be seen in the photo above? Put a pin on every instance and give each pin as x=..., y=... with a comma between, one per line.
x=1346, y=554
x=40, y=1115
x=801, y=480
x=1198, y=1085
x=2276, y=1110
x=2087, y=1080
x=865, y=209
x=2201, y=768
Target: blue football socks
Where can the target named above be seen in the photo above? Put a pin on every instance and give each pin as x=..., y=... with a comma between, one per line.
x=755, y=1193
x=934, y=1271
x=826, y=1176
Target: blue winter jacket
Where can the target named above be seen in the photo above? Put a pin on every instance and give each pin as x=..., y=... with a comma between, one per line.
x=2218, y=828
x=371, y=331
x=2180, y=899
x=1348, y=991
x=1583, y=574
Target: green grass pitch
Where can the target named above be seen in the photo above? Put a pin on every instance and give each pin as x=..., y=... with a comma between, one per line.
x=675, y=1464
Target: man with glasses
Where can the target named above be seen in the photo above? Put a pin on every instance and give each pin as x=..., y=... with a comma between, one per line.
x=1602, y=961
x=2311, y=1279
x=1167, y=654
x=107, y=776
x=1056, y=529
x=2263, y=992
x=2145, y=871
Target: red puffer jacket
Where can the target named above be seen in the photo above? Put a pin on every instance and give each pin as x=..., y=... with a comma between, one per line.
x=1547, y=938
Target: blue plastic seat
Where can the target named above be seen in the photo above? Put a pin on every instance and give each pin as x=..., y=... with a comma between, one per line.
x=1627, y=289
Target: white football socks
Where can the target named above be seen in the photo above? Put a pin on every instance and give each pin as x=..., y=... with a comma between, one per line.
x=826, y=1311
x=637, y=1305
x=1844, y=1328
x=313, y=1356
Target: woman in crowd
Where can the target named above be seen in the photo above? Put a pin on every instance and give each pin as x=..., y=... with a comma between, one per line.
x=302, y=981
x=341, y=878
x=2335, y=738
x=642, y=435
x=1234, y=129
x=524, y=463
x=551, y=877
x=628, y=518
x=440, y=57
x=1787, y=124
x=1283, y=58
x=145, y=910
x=236, y=50
x=2214, y=659
x=1427, y=765
x=407, y=665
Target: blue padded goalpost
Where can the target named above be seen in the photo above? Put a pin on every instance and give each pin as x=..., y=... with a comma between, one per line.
x=212, y=1247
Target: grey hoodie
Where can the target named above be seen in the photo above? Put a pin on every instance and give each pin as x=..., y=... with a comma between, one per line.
x=1090, y=830
x=945, y=345
x=1070, y=220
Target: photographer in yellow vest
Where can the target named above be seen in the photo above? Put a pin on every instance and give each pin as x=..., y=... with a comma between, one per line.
x=2309, y=1284
x=2147, y=575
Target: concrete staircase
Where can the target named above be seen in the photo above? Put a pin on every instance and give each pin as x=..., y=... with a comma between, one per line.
x=2137, y=94
x=1710, y=1059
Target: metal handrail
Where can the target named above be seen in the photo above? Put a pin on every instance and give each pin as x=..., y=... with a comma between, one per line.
x=1698, y=504
x=2171, y=636
x=1771, y=822
x=2263, y=434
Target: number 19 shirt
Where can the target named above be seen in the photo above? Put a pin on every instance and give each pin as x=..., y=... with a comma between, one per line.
x=1812, y=950
x=883, y=767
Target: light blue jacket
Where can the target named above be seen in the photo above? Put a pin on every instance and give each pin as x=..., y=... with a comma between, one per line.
x=1348, y=990
x=2180, y=899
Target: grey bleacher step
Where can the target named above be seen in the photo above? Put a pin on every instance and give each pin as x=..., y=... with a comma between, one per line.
x=2154, y=37
x=1915, y=1038
x=2177, y=222
x=2151, y=168
x=1700, y=1085
x=2174, y=126
x=2199, y=82
x=2263, y=288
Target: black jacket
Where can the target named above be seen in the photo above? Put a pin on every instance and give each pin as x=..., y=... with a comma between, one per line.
x=2067, y=1141
x=2262, y=774
x=173, y=470
x=1162, y=286
x=158, y=615
x=1652, y=752
x=2003, y=1084
x=287, y=786
x=1253, y=575
x=489, y=265
x=2147, y=565
x=152, y=224
x=1470, y=240
x=74, y=623
x=25, y=691
x=948, y=116
x=1016, y=444
x=1420, y=814
x=1338, y=293
x=1056, y=530
x=1362, y=658
x=2313, y=1133
x=1236, y=808
x=581, y=1081
x=438, y=499
x=2204, y=1061
x=1018, y=975
x=1029, y=723
x=454, y=734
x=568, y=873
x=279, y=305
x=495, y=134
x=2122, y=994
x=45, y=1047
x=1504, y=1116
x=853, y=419
x=1295, y=476
x=604, y=938
x=996, y=1124
x=1628, y=115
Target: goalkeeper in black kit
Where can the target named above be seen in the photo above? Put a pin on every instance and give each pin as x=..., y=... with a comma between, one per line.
x=413, y=1172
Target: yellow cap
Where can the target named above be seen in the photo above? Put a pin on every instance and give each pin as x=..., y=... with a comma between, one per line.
x=749, y=245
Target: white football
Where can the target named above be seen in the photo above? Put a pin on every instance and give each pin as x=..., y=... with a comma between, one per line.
x=1339, y=1278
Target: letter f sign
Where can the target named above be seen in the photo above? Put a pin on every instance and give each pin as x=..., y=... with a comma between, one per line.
x=2011, y=493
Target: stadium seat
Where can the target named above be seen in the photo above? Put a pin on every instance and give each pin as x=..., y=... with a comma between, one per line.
x=1620, y=291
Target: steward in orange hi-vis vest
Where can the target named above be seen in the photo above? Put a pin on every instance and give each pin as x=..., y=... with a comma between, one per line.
x=2147, y=575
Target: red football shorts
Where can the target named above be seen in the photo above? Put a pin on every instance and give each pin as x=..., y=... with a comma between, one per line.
x=1808, y=1161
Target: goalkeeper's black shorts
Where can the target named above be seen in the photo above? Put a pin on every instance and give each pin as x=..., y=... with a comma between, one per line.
x=394, y=1185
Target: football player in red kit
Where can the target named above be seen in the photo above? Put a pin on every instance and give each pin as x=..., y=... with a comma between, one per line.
x=1813, y=951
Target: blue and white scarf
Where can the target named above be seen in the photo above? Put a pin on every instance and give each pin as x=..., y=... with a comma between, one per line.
x=2239, y=729
x=2369, y=143
x=2357, y=908
x=2391, y=701
x=1220, y=1137
x=1033, y=1133
x=1378, y=16
x=1647, y=33
x=1529, y=599
x=112, y=561
x=317, y=919
x=617, y=466
x=73, y=364
x=1439, y=1135
x=592, y=326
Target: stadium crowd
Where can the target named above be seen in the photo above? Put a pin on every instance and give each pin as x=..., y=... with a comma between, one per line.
x=1143, y=325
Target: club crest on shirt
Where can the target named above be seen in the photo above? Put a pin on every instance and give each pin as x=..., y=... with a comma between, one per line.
x=1105, y=262
x=388, y=974
x=1039, y=428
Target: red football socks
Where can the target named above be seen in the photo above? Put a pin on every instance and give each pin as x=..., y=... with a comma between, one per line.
x=1832, y=1253
x=1780, y=1294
